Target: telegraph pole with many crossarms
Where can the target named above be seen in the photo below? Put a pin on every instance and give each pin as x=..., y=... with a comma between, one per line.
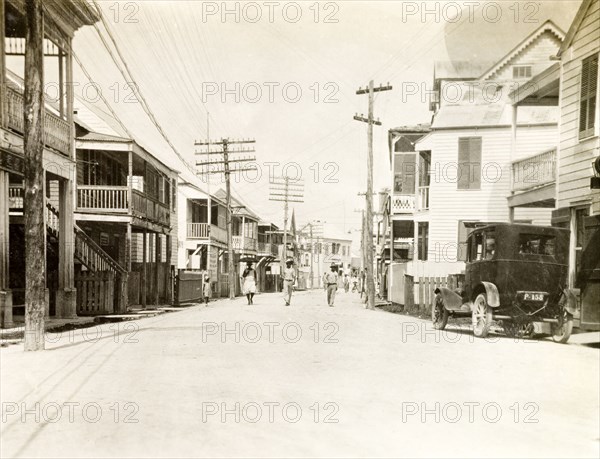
x=226, y=170
x=282, y=191
x=370, y=90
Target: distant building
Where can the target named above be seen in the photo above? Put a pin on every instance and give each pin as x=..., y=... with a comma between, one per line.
x=328, y=245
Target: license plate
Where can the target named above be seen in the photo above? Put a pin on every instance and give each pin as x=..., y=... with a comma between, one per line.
x=533, y=296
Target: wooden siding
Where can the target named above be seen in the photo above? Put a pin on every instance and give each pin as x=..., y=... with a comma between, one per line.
x=537, y=54
x=448, y=205
x=575, y=156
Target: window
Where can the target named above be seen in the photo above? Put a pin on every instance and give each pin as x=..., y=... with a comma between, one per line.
x=536, y=244
x=521, y=71
x=174, y=195
x=463, y=234
x=477, y=247
x=422, y=241
x=404, y=173
x=490, y=245
x=469, y=163
x=587, y=98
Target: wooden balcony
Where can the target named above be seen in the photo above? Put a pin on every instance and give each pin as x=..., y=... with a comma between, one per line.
x=248, y=244
x=102, y=198
x=57, y=132
x=198, y=230
x=267, y=249
x=15, y=196
x=218, y=234
x=145, y=207
x=403, y=204
x=535, y=171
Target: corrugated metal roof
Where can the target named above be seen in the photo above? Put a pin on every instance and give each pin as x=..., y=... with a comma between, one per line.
x=486, y=105
x=98, y=137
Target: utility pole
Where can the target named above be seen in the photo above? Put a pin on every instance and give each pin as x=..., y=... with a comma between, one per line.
x=226, y=170
x=312, y=255
x=281, y=192
x=369, y=217
x=33, y=200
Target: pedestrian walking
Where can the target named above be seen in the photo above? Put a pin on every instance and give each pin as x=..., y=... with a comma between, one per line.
x=206, y=289
x=289, y=277
x=331, y=282
x=249, y=286
x=346, y=283
x=354, y=281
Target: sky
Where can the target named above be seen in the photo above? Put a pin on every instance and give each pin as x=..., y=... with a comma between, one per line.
x=289, y=82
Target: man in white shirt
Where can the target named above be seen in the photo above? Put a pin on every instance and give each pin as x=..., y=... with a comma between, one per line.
x=331, y=281
x=289, y=277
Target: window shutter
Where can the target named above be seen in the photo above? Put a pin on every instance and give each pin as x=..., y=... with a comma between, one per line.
x=587, y=96
x=463, y=160
x=475, y=163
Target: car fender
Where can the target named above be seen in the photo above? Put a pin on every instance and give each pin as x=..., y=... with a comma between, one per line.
x=491, y=291
x=570, y=300
x=452, y=300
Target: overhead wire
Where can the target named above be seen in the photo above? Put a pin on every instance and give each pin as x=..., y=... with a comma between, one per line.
x=129, y=77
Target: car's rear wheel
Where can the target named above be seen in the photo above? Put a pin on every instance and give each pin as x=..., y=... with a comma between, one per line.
x=482, y=316
x=439, y=314
x=561, y=331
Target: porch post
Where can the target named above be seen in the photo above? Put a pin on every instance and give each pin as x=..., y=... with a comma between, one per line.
x=156, y=268
x=6, y=318
x=144, y=259
x=2, y=64
x=168, y=280
x=572, y=247
x=513, y=152
x=66, y=296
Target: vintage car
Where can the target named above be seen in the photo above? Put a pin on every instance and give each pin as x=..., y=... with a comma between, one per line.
x=515, y=278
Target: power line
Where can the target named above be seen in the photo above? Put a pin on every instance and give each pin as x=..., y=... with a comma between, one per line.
x=225, y=162
x=129, y=77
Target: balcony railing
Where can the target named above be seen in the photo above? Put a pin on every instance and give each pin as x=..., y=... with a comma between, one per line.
x=248, y=244
x=15, y=196
x=403, y=204
x=57, y=132
x=423, y=198
x=145, y=207
x=198, y=230
x=218, y=234
x=267, y=248
x=534, y=171
x=102, y=198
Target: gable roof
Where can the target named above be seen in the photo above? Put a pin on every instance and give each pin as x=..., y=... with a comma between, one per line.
x=545, y=27
x=244, y=209
x=579, y=17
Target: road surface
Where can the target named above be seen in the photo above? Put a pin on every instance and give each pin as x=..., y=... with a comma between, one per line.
x=232, y=380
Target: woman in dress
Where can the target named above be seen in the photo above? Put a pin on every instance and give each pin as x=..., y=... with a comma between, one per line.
x=249, y=286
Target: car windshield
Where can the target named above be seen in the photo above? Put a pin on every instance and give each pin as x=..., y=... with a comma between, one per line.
x=535, y=244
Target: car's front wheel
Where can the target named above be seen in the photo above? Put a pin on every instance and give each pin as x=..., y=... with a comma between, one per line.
x=439, y=314
x=482, y=316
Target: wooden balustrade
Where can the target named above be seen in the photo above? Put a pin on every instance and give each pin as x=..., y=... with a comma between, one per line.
x=403, y=204
x=145, y=207
x=57, y=132
x=267, y=248
x=198, y=230
x=218, y=234
x=534, y=171
x=15, y=196
x=248, y=244
x=102, y=198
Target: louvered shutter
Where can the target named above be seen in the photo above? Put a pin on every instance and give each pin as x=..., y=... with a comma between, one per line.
x=587, y=104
